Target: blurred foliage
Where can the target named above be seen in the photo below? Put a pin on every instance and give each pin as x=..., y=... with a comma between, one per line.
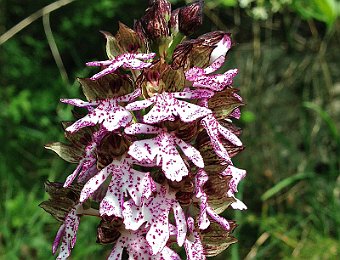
x=288, y=57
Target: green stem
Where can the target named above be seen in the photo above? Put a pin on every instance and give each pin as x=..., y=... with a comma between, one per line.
x=235, y=253
x=176, y=40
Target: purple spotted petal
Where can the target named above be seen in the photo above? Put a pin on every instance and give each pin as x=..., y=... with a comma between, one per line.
x=163, y=152
x=220, y=220
x=108, y=113
x=139, y=128
x=166, y=106
x=94, y=183
x=216, y=82
x=228, y=135
x=237, y=176
x=215, y=65
x=138, y=105
x=58, y=238
x=67, y=234
x=215, y=130
x=203, y=221
x=200, y=179
x=195, y=73
x=138, y=248
x=126, y=60
x=87, y=165
x=180, y=223
x=78, y=103
x=193, y=245
x=192, y=153
x=125, y=181
x=155, y=213
x=194, y=94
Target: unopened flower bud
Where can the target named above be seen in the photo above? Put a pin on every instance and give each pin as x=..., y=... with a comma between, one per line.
x=190, y=17
x=156, y=18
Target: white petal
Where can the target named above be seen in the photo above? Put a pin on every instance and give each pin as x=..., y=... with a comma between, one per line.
x=191, y=152
x=93, y=184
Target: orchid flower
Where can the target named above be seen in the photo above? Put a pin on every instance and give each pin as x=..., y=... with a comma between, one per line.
x=214, y=130
x=167, y=105
x=155, y=154
x=155, y=214
x=138, y=248
x=86, y=166
x=215, y=82
x=203, y=221
x=237, y=176
x=221, y=49
x=124, y=181
x=163, y=150
x=108, y=112
x=126, y=60
x=67, y=234
x=193, y=245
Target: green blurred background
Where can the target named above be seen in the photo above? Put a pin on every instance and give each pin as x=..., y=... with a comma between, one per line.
x=288, y=55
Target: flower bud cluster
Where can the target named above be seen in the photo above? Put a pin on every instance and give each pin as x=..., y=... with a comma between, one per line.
x=154, y=147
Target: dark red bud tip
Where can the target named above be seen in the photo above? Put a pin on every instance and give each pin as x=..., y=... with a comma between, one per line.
x=156, y=18
x=190, y=18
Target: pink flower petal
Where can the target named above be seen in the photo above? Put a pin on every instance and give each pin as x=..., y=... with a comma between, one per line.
x=77, y=102
x=203, y=221
x=163, y=152
x=167, y=107
x=108, y=113
x=93, y=184
x=213, y=128
x=221, y=49
x=144, y=150
x=180, y=223
x=139, y=128
x=138, y=105
x=138, y=248
x=216, y=82
x=125, y=181
x=67, y=234
x=192, y=153
x=155, y=213
x=126, y=60
x=193, y=245
x=228, y=135
x=237, y=176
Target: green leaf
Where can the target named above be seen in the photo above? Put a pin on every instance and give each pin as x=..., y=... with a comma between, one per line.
x=284, y=183
x=66, y=152
x=322, y=10
x=326, y=118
